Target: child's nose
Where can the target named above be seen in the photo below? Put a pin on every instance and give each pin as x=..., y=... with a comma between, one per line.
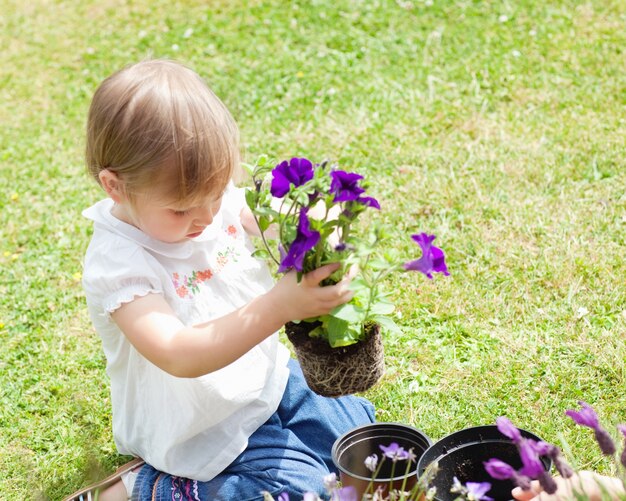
x=204, y=216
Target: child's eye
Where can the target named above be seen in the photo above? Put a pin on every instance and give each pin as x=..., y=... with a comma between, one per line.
x=180, y=212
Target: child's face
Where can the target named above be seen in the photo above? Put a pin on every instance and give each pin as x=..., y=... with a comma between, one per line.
x=168, y=223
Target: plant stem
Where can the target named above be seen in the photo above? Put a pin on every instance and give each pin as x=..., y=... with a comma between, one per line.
x=393, y=470
x=406, y=476
x=370, y=485
x=262, y=233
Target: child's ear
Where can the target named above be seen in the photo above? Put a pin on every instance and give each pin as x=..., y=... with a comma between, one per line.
x=112, y=184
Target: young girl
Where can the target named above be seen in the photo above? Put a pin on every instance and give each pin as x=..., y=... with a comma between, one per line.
x=201, y=388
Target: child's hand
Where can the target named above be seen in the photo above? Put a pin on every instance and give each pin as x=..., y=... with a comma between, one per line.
x=306, y=299
x=587, y=484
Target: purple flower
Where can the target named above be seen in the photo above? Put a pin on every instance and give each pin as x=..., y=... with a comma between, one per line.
x=554, y=453
x=283, y=496
x=310, y=496
x=305, y=240
x=297, y=172
x=432, y=260
x=587, y=417
x=499, y=469
x=545, y=449
x=502, y=471
x=476, y=491
x=344, y=494
x=345, y=187
x=506, y=427
x=532, y=465
x=369, y=202
x=394, y=452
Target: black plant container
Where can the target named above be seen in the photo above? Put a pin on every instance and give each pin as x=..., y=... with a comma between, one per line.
x=351, y=449
x=461, y=455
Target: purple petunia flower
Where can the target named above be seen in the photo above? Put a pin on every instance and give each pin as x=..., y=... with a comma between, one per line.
x=587, y=417
x=283, y=496
x=432, y=260
x=345, y=187
x=508, y=429
x=296, y=171
x=369, y=202
x=394, y=452
x=305, y=240
x=476, y=491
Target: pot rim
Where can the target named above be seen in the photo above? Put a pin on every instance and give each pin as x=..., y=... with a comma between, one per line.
x=381, y=426
x=425, y=459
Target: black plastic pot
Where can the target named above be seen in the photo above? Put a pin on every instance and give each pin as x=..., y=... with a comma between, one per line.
x=351, y=449
x=461, y=455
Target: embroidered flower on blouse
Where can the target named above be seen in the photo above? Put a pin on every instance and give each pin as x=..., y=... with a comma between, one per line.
x=188, y=286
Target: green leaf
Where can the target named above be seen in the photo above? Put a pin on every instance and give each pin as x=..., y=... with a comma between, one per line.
x=378, y=264
x=349, y=313
x=265, y=211
x=342, y=333
x=302, y=198
x=261, y=254
x=251, y=198
x=387, y=323
x=264, y=223
x=358, y=284
x=382, y=307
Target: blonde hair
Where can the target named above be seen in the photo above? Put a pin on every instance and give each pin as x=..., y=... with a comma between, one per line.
x=158, y=126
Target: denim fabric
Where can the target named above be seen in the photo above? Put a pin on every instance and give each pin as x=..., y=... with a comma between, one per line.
x=290, y=453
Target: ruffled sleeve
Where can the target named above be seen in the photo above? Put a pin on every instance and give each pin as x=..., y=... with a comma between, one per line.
x=116, y=272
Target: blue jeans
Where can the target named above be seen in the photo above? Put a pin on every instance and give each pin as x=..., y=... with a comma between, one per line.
x=290, y=453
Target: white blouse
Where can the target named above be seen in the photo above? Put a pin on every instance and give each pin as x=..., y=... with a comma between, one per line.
x=191, y=427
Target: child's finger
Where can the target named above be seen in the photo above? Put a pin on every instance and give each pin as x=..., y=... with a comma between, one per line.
x=521, y=495
x=352, y=272
x=316, y=276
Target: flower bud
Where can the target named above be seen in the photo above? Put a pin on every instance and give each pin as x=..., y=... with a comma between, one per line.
x=547, y=482
x=607, y=446
x=562, y=467
x=522, y=481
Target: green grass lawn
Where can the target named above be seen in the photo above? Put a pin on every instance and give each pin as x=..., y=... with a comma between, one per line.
x=498, y=126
